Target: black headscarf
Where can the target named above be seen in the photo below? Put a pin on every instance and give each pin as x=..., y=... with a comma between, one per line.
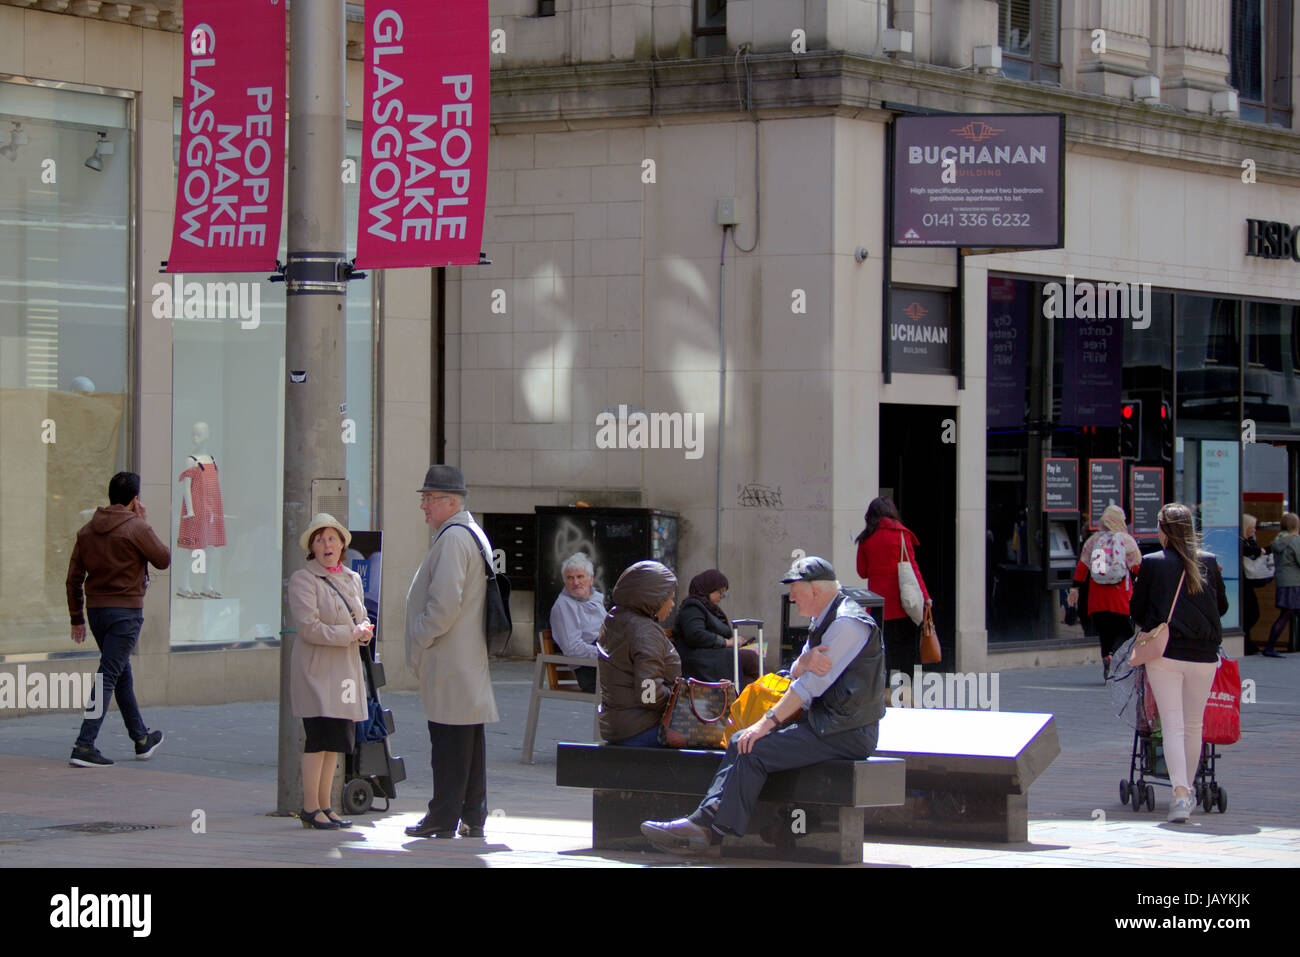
x=704, y=584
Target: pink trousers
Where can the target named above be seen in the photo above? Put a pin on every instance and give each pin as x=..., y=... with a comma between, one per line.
x=1181, y=689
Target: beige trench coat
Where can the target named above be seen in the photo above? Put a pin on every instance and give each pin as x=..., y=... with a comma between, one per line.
x=326, y=680
x=445, y=644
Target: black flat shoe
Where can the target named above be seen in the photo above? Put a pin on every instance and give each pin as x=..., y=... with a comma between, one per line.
x=1270, y=653
x=308, y=819
x=466, y=830
x=428, y=829
x=329, y=813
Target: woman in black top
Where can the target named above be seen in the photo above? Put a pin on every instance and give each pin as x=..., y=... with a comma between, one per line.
x=703, y=634
x=1181, y=679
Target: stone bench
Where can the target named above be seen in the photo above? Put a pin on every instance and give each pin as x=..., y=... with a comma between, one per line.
x=811, y=814
x=975, y=768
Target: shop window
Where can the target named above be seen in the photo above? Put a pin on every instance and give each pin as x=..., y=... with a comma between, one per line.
x=1058, y=389
x=710, y=27
x=1029, y=32
x=1207, y=360
x=65, y=330
x=1271, y=379
x=228, y=451
x=1260, y=59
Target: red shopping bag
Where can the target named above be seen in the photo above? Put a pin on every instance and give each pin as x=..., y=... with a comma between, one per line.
x=1222, y=721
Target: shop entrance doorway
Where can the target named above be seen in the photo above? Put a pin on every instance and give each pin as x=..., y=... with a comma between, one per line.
x=918, y=470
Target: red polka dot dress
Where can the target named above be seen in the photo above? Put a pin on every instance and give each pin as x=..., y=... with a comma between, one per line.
x=206, y=526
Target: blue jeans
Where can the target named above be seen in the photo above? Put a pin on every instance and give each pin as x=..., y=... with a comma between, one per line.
x=648, y=738
x=115, y=631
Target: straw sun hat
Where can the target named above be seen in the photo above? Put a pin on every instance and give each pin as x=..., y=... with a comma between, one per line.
x=324, y=520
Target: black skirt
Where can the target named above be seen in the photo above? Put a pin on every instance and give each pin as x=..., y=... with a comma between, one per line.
x=329, y=734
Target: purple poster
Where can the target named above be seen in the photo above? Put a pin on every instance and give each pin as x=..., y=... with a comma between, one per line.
x=979, y=179
x=1092, y=379
x=1008, y=350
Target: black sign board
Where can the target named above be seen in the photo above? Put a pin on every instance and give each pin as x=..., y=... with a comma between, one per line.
x=979, y=179
x=1105, y=487
x=920, y=328
x=1060, y=485
x=1147, y=491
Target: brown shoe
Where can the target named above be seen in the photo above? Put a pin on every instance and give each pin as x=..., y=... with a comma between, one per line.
x=680, y=837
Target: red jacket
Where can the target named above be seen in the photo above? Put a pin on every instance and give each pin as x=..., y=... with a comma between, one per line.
x=878, y=559
x=1106, y=597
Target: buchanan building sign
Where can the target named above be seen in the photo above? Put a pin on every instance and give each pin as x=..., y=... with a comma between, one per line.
x=991, y=180
x=920, y=325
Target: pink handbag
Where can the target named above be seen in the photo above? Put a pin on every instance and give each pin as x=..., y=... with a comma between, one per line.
x=1151, y=645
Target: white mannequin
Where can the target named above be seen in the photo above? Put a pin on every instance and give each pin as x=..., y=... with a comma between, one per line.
x=199, y=434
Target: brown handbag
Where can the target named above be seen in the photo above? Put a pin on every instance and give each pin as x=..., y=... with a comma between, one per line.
x=930, y=651
x=698, y=715
x=1150, y=645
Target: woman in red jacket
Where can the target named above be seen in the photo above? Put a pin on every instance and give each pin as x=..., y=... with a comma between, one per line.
x=1110, y=558
x=879, y=552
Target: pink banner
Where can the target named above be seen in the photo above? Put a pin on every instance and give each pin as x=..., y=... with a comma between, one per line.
x=230, y=183
x=425, y=137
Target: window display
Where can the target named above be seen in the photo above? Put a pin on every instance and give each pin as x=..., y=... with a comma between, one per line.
x=65, y=407
x=228, y=380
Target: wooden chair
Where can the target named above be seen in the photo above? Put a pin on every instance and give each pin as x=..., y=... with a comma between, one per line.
x=553, y=677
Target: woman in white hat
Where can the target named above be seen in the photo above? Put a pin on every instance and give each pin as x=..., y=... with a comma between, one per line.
x=327, y=688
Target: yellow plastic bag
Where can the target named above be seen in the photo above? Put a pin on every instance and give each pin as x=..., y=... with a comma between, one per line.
x=756, y=699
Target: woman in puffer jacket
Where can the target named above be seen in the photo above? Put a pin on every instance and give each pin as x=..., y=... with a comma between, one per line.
x=637, y=663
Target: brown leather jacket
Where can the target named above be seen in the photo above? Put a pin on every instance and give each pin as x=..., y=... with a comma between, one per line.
x=637, y=662
x=109, y=560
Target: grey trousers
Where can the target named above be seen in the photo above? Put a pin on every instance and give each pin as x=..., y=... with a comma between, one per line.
x=733, y=795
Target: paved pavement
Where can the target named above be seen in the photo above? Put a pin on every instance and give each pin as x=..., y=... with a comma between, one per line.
x=204, y=800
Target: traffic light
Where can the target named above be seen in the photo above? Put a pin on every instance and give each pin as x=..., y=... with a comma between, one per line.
x=1130, y=429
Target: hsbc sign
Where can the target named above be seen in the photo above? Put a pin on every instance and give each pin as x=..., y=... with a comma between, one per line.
x=1272, y=240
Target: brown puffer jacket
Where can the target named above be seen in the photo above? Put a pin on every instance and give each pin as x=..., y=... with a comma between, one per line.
x=637, y=661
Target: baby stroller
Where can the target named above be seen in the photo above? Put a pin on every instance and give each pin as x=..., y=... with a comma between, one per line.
x=1147, y=757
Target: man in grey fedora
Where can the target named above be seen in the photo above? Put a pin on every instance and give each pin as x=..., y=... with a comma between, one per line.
x=447, y=649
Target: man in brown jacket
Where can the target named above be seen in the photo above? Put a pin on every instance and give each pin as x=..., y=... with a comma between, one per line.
x=110, y=560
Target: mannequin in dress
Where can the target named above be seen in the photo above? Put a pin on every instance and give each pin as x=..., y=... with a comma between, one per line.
x=202, y=523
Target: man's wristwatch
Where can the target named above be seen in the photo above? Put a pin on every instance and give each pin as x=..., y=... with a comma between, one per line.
x=771, y=716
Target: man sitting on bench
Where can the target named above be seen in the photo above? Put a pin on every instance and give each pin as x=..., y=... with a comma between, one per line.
x=577, y=616
x=839, y=680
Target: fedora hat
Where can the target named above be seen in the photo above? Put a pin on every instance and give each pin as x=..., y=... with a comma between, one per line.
x=444, y=478
x=324, y=520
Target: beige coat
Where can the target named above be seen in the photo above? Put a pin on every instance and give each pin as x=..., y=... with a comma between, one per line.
x=445, y=644
x=326, y=680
